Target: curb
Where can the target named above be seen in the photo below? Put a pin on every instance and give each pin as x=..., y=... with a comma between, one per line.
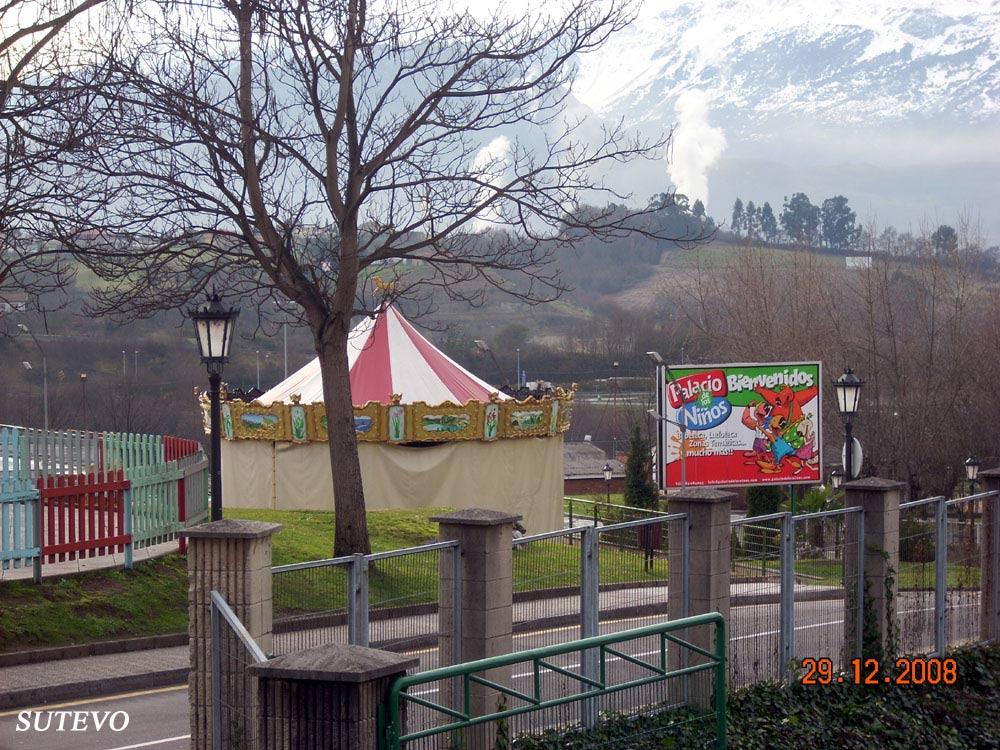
x=98, y=648
x=41, y=696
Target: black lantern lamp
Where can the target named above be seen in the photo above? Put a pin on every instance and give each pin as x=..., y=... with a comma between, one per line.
x=836, y=478
x=214, y=326
x=972, y=465
x=848, y=388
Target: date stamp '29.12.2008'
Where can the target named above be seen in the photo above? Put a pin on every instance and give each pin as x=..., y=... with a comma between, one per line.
x=930, y=670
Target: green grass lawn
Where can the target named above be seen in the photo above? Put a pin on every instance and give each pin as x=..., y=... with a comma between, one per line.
x=95, y=606
x=152, y=598
x=413, y=579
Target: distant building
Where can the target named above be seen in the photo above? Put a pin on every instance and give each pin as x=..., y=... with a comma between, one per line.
x=583, y=470
x=14, y=301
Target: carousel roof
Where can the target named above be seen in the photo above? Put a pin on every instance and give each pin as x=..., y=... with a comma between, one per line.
x=387, y=355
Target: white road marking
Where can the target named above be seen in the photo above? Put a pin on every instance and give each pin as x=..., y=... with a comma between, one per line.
x=153, y=742
x=97, y=699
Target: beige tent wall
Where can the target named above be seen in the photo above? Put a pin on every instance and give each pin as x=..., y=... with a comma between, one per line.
x=523, y=475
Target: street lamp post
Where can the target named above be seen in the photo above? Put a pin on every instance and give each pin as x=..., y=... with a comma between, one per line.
x=607, y=481
x=83, y=385
x=518, y=367
x=214, y=326
x=45, y=374
x=683, y=428
x=848, y=387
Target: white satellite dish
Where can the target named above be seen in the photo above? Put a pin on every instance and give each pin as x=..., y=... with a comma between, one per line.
x=857, y=456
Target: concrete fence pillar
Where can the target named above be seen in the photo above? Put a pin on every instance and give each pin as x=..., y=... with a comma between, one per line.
x=325, y=698
x=234, y=558
x=485, y=588
x=880, y=499
x=708, y=580
x=989, y=551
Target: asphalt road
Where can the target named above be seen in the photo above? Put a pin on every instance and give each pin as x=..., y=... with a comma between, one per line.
x=159, y=718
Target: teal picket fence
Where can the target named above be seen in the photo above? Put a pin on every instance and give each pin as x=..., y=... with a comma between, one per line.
x=20, y=507
x=155, y=513
x=124, y=450
x=163, y=496
x=60, y=451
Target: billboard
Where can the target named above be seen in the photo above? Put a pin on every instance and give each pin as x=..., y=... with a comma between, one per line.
x=745, y=423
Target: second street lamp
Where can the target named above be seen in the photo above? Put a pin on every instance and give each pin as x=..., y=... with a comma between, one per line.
x=848, y=387
x=214, y=326
x=972, y=465
x=836, y=479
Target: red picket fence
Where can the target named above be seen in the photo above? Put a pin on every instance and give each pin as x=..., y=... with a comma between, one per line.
x=83, y=514
x=175, y=448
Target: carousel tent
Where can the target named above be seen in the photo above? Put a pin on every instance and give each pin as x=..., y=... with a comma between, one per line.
x=430, y=433
x=388, y=356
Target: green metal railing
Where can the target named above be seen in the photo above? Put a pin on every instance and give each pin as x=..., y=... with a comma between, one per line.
x=392, y=732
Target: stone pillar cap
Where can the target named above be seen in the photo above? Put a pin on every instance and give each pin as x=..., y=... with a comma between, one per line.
x=700, y=495
x=232, y=528
x=335, y=663
x=873, y=484
x=476, y=517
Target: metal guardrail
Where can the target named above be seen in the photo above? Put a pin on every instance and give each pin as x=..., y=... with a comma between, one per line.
x=597, y=513
x=393, y=735
x=234, y=690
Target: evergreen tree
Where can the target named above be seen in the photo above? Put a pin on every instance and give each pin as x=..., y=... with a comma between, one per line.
x=698, y=209
x=768, y=224
x=640, y=488
x=751, y=221
x=738, y=217
x=800, y=219
x=839, y=229
x=944, y=239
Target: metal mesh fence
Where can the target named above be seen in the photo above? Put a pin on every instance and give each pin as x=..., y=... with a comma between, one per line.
x=310, y=604
x=917, y=576
x=634, y=563
x=964, y=536
x=547, y=583
x=403, y=596
x=826, y=582
x=755, y=607
x=233, y=688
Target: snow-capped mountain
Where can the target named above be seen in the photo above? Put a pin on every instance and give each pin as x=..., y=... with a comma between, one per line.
x=839, y=62
x=884, y=101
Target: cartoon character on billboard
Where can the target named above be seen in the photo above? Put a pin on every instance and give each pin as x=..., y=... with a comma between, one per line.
x=783, y=434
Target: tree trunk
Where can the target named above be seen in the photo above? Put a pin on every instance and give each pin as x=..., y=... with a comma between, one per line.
x=351, y=525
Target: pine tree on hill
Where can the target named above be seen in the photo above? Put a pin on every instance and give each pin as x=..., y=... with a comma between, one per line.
x=738, y=216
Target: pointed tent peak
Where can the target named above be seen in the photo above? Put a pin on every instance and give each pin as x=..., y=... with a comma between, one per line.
x=388, y=358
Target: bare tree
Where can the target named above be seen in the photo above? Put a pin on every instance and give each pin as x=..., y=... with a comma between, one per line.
x=37, y=112
x=304, y=150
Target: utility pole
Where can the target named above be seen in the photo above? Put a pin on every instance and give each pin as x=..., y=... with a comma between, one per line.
x=45, y=373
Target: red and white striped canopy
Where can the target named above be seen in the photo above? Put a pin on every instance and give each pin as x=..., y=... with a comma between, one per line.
x=387, y=355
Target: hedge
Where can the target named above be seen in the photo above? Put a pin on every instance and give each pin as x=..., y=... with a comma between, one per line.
x=778, y=717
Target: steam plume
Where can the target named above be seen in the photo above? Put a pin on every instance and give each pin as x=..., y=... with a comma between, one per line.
x=696, y=146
